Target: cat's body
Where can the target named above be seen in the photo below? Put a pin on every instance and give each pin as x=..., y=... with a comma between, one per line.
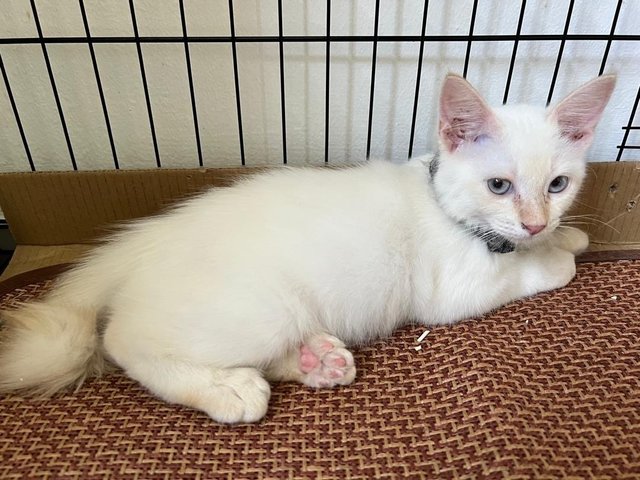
x=272, y=275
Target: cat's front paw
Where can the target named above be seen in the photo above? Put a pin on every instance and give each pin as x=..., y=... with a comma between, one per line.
x=325, y=362
x=570, y=239
x=548, y=270
x=240, y=395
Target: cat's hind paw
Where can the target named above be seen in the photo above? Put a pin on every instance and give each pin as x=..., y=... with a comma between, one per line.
x=325, y=362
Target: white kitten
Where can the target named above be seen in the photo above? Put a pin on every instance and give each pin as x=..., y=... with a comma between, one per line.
x=271, y=276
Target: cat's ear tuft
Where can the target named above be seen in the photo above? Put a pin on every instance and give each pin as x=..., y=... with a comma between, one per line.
x=464, y=115
x=578, y=114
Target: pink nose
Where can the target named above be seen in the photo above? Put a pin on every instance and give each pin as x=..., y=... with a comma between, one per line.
x=533, y=229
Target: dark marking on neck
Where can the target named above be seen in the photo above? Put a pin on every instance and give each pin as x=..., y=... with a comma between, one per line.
x=434, y=164
x=495, y=242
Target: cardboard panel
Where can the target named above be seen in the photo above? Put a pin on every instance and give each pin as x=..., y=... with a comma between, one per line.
x=608, y=206
x=58, y=208
x=30, y=257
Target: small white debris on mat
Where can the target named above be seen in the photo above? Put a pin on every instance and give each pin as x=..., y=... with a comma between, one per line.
x=417, y=348
x=423, y=336
x=526, y=322
x=614, y=297
x=21, y=379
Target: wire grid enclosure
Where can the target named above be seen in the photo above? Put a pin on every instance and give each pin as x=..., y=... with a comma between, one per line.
x=89, y=84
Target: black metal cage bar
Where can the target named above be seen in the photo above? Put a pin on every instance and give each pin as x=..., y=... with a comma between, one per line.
x=374, y=58
x=560, y=52
x=143, y=75
x=423, y=31
x=605, y=56
x=96, y=72
x=236, y=78
x=472, y=25
x=507, y=37
x=54, y=89
x=327, y=83
x=16, y=115
x=628, y=128
x=512, y=63
x=192, y=95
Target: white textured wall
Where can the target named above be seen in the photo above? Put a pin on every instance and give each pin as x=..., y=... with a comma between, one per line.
x=305, y=78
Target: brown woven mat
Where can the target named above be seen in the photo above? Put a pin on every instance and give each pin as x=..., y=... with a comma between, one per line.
x=544, y=388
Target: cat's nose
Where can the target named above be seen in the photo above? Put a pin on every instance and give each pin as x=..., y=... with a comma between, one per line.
x=533, y=229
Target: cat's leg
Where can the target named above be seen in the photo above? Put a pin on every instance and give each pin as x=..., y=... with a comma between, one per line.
x=320, y=362
x=485, y=282
x=543, y=269
x=570, y=239
x=227, y=395
x=552, y=265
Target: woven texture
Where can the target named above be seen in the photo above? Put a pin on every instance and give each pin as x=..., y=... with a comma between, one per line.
x=548, y=387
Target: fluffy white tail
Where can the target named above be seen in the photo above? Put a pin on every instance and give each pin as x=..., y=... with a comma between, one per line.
x=47, y=347
x=53, y=343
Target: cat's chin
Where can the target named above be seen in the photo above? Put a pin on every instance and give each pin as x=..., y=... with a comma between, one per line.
x=532, y=240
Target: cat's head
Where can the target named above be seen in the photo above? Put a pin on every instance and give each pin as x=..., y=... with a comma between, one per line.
x=514, y=170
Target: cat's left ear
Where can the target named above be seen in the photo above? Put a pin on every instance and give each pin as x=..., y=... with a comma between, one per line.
x=578, y=114
x=464, y=116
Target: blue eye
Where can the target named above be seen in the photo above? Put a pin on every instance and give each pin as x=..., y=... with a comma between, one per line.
x=499, y=186
x=558, y=184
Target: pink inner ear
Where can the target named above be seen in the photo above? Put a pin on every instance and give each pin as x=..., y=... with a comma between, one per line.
x=579, y=113
x=575, y=136
x=464, y=116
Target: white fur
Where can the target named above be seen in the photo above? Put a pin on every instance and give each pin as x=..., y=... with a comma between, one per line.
x=200, y=301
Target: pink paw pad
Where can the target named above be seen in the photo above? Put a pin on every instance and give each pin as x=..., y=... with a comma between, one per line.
x=308, y=360
x=326, y=363
x=337, y=362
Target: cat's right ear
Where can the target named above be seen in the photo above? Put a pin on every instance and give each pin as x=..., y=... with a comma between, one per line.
x=464, y=115
x=578, y=114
